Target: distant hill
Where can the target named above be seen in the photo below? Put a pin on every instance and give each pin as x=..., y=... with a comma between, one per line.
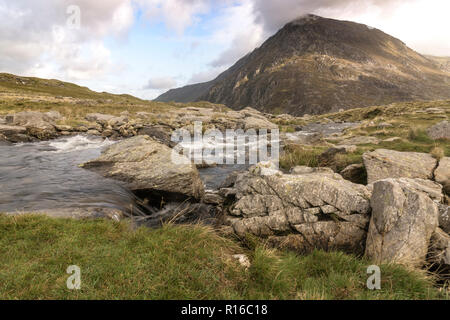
x=315, y=65
x=31, y=85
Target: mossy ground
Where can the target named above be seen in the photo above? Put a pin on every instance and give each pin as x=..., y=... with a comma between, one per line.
x=178, y=262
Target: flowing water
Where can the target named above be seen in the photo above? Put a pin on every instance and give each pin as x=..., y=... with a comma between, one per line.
x=45, y=175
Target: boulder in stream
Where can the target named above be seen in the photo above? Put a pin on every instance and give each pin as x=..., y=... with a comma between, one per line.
x=147, y=165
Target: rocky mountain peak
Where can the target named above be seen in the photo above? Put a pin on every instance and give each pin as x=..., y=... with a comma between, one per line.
x=315, y=65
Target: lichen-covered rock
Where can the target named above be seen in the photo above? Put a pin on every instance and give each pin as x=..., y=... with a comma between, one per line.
x=440, y=130
x=402, y=223
x=442, y=173
x=382, y=164
x=318, y=209
x=145, y=164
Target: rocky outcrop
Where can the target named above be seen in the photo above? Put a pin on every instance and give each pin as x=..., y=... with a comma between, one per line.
x=307, y=210
x=382, y=164
x=145, y=164
x=440, y=130
x=37, y=124
x=402, y=223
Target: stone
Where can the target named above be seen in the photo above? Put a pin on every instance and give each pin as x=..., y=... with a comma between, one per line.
x=300, y=137
x=402, y=223
x=37, y=124
x=99, y=117
x=300, y=206
x=213, y=198
x=243, y=260
x=393, y=139
x=258, y=123
x=442, y=173
x=298, y=170
x=381, y=164
x=145, y=164
x=160, y=133
x=14, y=134
x=360, y=140
x=440, y=130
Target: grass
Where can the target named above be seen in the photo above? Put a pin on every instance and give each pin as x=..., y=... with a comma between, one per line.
x=178, y=262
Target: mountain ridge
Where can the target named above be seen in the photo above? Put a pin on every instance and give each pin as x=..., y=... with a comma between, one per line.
x=317, y=65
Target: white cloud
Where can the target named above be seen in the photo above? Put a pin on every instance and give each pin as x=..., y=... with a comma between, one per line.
x=160, y=83
x=36, y=40
x=176, y=14
x=205, y=76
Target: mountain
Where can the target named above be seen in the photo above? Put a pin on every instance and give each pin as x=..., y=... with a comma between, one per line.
x=315, y=65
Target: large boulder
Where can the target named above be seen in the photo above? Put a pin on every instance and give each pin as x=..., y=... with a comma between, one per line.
x=147, y=165
x=440, y=130
x=382, y=164
x=402, y=223
x=303, y=211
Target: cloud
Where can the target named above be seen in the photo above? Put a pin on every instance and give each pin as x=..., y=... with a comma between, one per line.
x=205, y=76
x=160, y=83
x=36, y=39
x=272, y=15
x=176, y=14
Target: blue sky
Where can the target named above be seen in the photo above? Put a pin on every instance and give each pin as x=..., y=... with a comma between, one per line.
x=145, y=47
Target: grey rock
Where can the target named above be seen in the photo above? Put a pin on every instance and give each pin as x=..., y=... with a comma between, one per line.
x=440, y=130
x=382, y=164
x=360, y=140
x=442, y=173
x=145, y=164
x=403, y=221
x=276, y=206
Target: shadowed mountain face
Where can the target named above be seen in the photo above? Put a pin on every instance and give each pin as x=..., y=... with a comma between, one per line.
x=315, y=65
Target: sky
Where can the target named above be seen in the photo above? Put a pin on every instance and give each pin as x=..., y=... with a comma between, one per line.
x=145, y=47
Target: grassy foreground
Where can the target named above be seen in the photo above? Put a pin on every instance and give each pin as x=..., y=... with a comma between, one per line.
x=177, y=262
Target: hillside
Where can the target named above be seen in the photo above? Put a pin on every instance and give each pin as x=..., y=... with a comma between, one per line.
x=315, y=65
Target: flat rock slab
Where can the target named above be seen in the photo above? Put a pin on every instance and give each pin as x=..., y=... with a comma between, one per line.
x=382, y=164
